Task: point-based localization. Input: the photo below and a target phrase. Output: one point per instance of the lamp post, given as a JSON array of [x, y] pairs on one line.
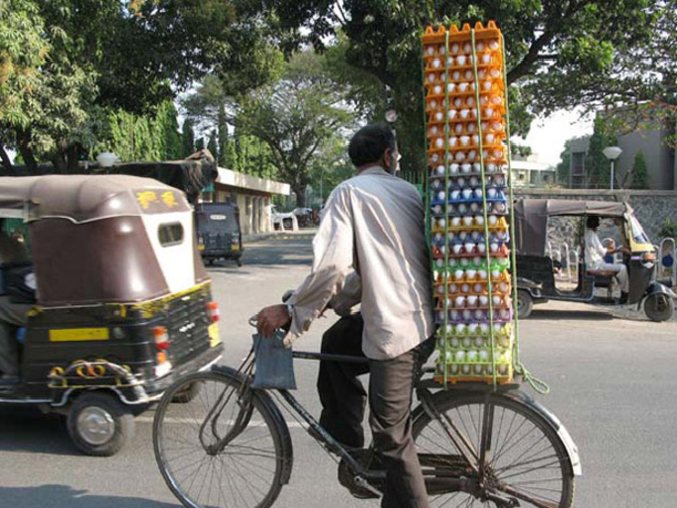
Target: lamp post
[[612, 153]]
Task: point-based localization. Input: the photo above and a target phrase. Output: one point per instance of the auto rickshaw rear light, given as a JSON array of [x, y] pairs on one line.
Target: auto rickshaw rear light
[[161, 357], [213, 311], [161, 338]]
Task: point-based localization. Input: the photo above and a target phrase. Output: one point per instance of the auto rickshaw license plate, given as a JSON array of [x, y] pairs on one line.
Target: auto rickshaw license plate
[[200, 247], [214, 337], [235, 247]]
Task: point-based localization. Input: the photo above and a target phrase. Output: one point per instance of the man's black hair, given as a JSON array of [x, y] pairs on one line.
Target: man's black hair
[[592, 222], [369, 143]]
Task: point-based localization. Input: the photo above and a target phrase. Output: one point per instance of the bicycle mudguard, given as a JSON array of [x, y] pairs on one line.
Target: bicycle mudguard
[[550, 418], [278, 419]]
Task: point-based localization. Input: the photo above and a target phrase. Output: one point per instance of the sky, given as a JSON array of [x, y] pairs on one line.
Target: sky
[[546, 137]]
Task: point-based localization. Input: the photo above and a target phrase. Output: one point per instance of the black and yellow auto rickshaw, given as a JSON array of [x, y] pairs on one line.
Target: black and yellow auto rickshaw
[[536, 269], [124, 305], [218, 231]]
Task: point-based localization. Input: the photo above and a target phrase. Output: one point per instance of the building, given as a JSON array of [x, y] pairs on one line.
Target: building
[[529, 172], [659, 150], [253, 195]]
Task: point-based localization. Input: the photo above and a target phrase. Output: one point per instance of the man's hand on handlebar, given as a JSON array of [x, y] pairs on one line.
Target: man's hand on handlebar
[[272, 318]]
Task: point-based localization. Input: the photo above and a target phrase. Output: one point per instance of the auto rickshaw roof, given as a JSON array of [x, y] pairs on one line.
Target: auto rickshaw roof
[[531, 218], [84, 198]]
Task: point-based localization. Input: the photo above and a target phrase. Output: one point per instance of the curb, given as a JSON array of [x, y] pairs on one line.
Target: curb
[[280, 235]]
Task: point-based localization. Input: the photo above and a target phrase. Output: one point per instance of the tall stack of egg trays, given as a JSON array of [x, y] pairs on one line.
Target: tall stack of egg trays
[[469, 202]]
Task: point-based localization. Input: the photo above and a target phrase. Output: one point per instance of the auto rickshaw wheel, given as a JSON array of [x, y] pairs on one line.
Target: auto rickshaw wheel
[[658, 307], [99, 424], [187, 394], [525, 303]]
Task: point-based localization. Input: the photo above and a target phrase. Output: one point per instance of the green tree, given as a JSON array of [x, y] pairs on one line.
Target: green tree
[[640, 175], [563, 168], [597, 166], [553, 47], [200, 144], [187, 138], [86, 68], [296, 118], [213, 144]]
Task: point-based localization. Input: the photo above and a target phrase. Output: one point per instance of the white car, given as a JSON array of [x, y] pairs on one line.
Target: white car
[[283, 221]]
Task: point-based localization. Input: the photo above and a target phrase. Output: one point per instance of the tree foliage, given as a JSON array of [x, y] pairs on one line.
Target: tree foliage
[[296, 118], [597, 166], [563, 168], [89, 59], [640, 174], [559, 52]]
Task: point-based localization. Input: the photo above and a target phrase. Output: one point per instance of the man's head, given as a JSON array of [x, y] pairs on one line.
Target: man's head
[[372, 145], [592, 222]]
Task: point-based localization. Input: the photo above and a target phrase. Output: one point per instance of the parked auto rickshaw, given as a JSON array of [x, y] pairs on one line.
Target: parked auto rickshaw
[[218, 231], [124, 304], [536, 270]]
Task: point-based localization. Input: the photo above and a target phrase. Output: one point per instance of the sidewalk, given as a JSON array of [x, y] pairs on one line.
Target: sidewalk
[[306, 233]]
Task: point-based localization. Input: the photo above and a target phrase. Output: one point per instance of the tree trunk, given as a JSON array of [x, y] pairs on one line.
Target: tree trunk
[[6, 163], [72, 162], [300, 191], [23, 144]]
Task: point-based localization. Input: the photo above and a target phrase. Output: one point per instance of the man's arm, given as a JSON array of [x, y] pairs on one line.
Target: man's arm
[[333, 253]]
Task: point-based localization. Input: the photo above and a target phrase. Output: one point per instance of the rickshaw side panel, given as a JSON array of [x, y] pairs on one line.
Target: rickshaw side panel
[[539, 270], [100, 261]]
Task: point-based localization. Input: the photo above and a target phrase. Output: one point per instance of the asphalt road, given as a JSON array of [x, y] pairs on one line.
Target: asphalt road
[[612, 379]]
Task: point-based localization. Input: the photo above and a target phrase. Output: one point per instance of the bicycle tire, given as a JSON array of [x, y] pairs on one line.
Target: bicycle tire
[[250, 478], [466, 411]]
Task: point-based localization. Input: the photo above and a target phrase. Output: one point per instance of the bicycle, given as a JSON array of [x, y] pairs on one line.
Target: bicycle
[[230, 446]]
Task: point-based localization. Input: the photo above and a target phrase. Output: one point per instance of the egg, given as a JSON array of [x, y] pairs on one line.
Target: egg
[[469, 75], [471, 356], [469, 247], [465, 140], [478, 193], [471, 301], [478, 369], [481, 248], [466, 342], [463, 87], [465, 369], [439, 116], [492, 220], [489, 112], [491, 192], [434, 158], [436, 184], [451, 87], [479, 220], [486, 85], [460, 156], [437, 89], [466, 168], [432, 77], [493, 45], [490, 138], [436, 63], [486, 58], [452, 114], [467, 314], [458, 128], [467, 48], [479, 341], [471, 274], [454, 48], [458, 102], [467, 193], [460, 327], [465, 288], [472, 328], [457, 248], [472, 155], [460, 60], [464, 262], [439, 143], [477, 167], [456, 75], [458, 274], [441, 196], [480, 47], [430, 50], [470, 102]]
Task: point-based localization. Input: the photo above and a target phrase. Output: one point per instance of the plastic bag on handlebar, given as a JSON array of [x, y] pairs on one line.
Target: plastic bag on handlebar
[[274, 363]]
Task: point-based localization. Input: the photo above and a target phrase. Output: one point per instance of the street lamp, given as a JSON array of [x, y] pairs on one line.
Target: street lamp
[[612, 153]]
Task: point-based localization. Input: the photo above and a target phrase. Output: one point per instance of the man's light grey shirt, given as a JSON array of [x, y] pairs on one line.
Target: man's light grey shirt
[[373, 222]]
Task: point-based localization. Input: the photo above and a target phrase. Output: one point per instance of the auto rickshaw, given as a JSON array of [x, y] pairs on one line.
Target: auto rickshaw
[[536, 270], [124, 304], [218, 231]]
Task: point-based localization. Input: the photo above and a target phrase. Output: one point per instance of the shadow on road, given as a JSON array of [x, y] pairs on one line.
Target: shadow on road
[[27, 430], [571, 315], [276, 252], [64, 496]]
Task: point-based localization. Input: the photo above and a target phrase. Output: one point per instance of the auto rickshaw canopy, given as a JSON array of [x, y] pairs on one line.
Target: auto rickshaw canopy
[[105, 238], [531, 219], [84, 198]]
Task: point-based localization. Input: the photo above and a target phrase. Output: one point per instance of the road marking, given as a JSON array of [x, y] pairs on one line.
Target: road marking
[[149, 419]]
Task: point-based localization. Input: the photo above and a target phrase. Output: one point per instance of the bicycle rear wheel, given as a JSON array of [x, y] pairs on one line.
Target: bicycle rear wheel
[[248, 472], [525, 458]]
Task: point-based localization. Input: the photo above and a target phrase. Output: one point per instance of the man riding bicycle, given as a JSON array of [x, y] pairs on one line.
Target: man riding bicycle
[[373, 223]]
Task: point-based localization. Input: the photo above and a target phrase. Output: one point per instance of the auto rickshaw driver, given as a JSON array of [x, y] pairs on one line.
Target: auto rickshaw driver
[[595, 254], [14, 266]]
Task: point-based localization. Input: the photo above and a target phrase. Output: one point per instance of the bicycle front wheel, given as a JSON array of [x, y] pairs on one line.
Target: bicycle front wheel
[[524, 458], [246, 471]]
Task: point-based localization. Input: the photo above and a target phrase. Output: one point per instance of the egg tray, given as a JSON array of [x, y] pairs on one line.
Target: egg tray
[[437, 253], [493, 208], [439, 289], [477, 263], [500, 197], [469, 239], [498, 228], [453, 379], [475, 318]]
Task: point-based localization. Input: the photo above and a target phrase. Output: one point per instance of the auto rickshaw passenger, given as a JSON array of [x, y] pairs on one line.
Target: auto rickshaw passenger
[[595, 253], [13, 306]]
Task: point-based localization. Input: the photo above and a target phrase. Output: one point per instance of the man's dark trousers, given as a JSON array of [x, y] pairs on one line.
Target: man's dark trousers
[[390, 393]]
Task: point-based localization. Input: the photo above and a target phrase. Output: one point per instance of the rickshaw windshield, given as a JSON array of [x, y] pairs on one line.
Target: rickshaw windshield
[[636, 230]]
